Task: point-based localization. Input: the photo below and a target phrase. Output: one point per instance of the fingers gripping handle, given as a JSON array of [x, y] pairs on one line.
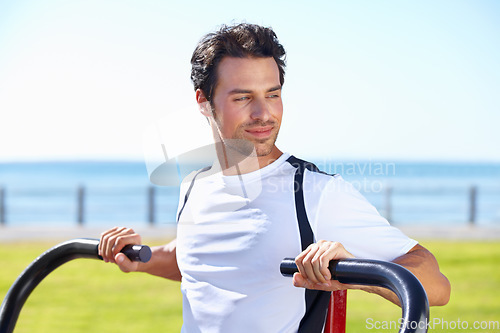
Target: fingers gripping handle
[[141, 253], [288, 267]]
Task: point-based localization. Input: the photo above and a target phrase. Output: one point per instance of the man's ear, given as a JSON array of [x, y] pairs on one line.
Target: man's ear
[[203, 103]]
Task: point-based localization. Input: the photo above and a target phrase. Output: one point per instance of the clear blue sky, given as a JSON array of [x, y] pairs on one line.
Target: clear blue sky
[[391, 80]]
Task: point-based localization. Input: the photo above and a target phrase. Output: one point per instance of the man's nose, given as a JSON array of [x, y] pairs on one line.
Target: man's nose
[[260, 110]]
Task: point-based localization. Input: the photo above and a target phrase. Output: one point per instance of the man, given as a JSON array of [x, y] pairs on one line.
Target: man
[[239, 218]]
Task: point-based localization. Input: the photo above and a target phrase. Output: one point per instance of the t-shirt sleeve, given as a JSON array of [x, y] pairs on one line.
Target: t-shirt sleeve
[[340, 213]]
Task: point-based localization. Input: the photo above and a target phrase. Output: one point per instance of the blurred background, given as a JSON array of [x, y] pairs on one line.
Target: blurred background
[[401, 98]]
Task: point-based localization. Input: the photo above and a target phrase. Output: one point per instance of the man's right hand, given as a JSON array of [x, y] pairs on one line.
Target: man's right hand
[[112, 242]]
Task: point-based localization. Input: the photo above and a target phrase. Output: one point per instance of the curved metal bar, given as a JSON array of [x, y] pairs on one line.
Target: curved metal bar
[[411, 293], [44, 265]]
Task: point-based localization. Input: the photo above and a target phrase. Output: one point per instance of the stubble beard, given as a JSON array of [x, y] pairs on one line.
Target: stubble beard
[[242, 144], [240, 141], [263, 147]]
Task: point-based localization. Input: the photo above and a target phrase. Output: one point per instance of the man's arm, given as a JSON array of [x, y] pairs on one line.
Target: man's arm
[[314, 273], [422, 263], [163, 260]]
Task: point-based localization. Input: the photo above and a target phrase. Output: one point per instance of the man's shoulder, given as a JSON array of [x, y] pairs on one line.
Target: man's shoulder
[[309, 167]]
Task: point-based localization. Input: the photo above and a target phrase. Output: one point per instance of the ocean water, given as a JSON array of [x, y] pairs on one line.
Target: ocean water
[[118, 193]]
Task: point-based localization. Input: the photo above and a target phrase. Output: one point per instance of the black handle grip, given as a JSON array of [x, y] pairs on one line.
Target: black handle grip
[[46, 263], [141, 253], [288, 267], [384, 274]]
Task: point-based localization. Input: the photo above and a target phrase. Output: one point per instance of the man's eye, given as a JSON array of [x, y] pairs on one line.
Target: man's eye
[[244, 98], [273, 96]]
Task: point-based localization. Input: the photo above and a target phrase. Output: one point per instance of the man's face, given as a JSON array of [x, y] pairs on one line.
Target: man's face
[[247, 101]]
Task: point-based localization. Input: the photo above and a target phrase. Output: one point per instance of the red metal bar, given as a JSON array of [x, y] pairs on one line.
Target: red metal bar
[[336, 315]]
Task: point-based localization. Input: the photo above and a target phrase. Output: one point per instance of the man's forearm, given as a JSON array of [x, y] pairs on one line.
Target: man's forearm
[[163, 262], [425, 267]]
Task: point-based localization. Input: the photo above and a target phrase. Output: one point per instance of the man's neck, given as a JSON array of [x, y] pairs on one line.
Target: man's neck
[[234, 163], [268, 159]]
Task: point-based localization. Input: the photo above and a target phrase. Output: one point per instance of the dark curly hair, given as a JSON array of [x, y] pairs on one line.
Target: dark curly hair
[[239, 41]]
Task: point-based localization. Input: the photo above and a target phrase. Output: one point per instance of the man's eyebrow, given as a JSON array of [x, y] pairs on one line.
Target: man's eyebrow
[[240, 91], [275, 88], [246, 91]]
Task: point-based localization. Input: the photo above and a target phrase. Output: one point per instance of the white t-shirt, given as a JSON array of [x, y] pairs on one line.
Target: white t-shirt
[[235, 230]]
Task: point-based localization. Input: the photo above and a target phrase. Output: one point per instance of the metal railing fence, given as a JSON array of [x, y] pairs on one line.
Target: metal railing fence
[[159, 204]]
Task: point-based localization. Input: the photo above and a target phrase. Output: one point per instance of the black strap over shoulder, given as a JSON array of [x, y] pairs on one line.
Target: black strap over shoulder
[[188, 192], [306, 234], [316, 300]]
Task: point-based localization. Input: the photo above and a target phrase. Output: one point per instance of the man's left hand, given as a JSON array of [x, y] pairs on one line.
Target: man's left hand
[[313, 266]]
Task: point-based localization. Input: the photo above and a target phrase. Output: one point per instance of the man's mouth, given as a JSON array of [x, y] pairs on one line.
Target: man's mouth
[[260, 132]]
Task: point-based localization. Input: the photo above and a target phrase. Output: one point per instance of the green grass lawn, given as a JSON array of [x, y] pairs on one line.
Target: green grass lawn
[[90, 296]]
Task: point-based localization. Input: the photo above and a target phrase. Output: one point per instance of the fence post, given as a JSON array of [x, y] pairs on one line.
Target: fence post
[[80, 205], [388, 203], [472, 204], [2, 206], [151, 205]]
